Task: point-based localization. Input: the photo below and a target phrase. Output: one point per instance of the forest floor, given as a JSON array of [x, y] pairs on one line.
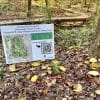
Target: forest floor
[[40, 15], [73, 75], [77, 79]]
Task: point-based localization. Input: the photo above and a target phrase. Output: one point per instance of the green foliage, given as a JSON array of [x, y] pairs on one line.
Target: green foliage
[[55, 68], [75, 37], [93, 21], [1, 71], [4, 7]]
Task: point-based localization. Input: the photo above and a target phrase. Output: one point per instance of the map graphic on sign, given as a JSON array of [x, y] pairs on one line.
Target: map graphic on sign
[[24, 43]]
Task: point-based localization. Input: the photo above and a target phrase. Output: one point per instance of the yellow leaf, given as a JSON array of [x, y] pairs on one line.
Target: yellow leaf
[[34, 78], [56, 62], [28, 76], [22, 98], [12, 68], [35, 64], [43, 74], [94, 65], [77, 88], [44, 67], [93, 60], [93, 73], [86, 62], [62, 68], [49, 71], [98, 65], [64, 98], [97, 91]]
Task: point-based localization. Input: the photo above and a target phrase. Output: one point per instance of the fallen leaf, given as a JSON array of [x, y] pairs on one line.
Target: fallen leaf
[[56, 62], [77, 88], [97, 91], [45, 92], [49, 71], [97, 65], [35, 64], [47, 81], [53, 82], [62, 68], [94, 65], [12, 68], [86, 62], [43, 67], [93, 60], [93, 73], [43, 74], [22, 98], [34, 78], [28, 76], [64, 98]]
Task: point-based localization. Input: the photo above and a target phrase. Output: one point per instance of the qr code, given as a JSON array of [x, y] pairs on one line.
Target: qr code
[[46, 48]]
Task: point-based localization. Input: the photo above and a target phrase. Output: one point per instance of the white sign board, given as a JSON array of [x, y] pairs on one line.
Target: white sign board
[[24, 43]]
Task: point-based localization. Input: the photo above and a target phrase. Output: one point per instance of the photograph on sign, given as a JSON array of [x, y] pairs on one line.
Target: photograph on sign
[[24, 43]]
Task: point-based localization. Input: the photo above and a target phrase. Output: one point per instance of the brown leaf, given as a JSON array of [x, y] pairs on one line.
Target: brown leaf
[[77, 88], [53, 82], [45, 92]]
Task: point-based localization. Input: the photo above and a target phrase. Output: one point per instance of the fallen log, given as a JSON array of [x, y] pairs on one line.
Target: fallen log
[[42, 19]]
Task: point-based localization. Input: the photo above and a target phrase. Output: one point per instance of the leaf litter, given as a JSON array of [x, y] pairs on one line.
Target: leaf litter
[[68, 77]]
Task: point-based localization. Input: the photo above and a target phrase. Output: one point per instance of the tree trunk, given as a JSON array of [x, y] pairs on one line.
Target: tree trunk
[[95, 48], [29, 8], [89, 5], [48, 11], [85, 2]]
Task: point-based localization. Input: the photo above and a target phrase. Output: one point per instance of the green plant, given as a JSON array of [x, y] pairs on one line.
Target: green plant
[[75, 37], [55, 69], [1, 72]]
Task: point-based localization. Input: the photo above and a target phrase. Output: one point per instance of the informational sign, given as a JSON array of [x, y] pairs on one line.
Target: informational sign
[[24, 43]]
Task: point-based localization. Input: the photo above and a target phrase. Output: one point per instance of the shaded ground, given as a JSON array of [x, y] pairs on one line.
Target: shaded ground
[[39, 14], [15, 85]]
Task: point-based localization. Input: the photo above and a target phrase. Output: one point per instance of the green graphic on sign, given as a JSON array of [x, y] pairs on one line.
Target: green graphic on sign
[[41, 36]]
